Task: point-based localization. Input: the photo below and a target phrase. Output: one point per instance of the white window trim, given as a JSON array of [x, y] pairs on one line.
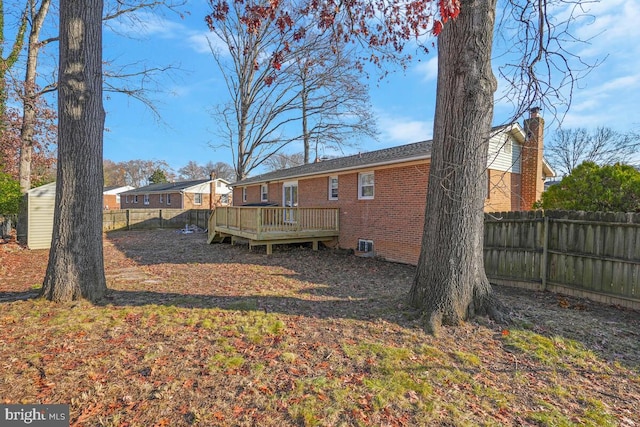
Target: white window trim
[[361, 176], [168, 199], [244, 194], [331, 197], [145, 199], [195, 198], [161, 201], [126, 198], [264, 192], [135, 198]]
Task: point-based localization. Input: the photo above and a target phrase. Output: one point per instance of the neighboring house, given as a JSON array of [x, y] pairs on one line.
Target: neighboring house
[[111, 196], [381, 194], [198, 194]]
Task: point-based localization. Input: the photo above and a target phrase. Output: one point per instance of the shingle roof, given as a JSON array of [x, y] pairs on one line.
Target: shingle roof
[[166, 187], [414, 151]]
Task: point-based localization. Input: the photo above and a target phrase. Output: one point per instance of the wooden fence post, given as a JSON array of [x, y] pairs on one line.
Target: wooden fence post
[[545, 253], [128, 222]]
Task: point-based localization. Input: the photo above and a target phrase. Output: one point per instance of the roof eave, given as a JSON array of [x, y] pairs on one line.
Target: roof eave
[[335, 170]]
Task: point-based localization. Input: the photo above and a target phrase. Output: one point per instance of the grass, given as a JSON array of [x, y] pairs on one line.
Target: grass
[[292, 339]]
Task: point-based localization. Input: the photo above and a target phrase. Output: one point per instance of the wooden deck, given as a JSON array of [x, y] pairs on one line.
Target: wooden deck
[[274, 225]]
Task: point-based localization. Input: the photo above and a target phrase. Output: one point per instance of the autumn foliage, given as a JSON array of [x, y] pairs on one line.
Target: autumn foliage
[[44, 155], [384, 26]]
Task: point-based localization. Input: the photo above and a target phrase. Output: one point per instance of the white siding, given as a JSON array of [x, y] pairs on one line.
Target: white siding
[[41, 204], [504, 153], [200, 188]]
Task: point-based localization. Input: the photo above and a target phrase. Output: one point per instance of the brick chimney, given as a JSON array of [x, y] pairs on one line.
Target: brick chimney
[[532, 184], [212, 196]]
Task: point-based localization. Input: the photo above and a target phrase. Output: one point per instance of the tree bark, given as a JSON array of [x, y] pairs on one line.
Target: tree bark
[[76, 265], [450, 284]]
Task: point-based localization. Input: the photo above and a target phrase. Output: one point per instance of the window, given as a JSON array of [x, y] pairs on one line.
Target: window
[[244, 194], [168, 199], [197, 199], [224, 199], [161, 199], [146, 199], [126, 198], [365, 185], [264, 192], [135, 199], [365, 245], [333, 188]]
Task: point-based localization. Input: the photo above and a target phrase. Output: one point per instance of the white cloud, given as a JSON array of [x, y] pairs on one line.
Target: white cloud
[[428, 69], [144, 25], [200, 42], [403, 130]]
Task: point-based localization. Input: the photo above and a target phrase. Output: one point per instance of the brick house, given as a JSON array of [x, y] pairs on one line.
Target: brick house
[[381, 194], [198, 194], [111, 196]]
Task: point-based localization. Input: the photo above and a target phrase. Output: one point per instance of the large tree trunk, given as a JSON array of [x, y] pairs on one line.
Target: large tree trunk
[[450, 283], [76, 266]]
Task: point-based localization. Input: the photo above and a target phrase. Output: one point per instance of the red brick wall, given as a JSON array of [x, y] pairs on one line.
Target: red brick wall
[[504, 192], [394, 218], [109, 202], [154, 202], [531, 166]]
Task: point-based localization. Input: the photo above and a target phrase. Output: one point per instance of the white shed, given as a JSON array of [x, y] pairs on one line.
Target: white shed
[[41, 203]]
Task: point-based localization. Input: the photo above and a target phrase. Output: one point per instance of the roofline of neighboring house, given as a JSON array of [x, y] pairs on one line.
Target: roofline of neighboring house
[[513, 129], [176, 189], [547, 166]]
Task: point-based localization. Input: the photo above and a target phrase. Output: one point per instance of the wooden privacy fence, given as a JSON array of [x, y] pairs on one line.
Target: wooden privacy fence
[[130, 219], [595, 255]]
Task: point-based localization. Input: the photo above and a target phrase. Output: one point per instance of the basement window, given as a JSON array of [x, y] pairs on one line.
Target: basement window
[[365, 246]]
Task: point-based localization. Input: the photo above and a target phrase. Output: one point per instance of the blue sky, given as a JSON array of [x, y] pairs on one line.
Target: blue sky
[[404, 102]]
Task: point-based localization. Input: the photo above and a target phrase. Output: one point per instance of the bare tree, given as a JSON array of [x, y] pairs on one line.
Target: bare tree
[[76, 266], [192, 171], [135, 172], [134, 80], [221, 170], [114, 173], [7, 62], [262, 103], [603, 146], [335, 105], [31, 94], [283, 161]]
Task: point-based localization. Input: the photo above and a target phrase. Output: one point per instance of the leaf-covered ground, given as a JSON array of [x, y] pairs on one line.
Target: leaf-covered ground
[[208, 335]]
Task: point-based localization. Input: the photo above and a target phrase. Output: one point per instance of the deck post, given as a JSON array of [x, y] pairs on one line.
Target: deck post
[[259, 223], [315, 245]]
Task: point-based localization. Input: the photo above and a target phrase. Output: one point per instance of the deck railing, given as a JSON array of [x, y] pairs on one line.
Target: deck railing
[[272, 220]]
